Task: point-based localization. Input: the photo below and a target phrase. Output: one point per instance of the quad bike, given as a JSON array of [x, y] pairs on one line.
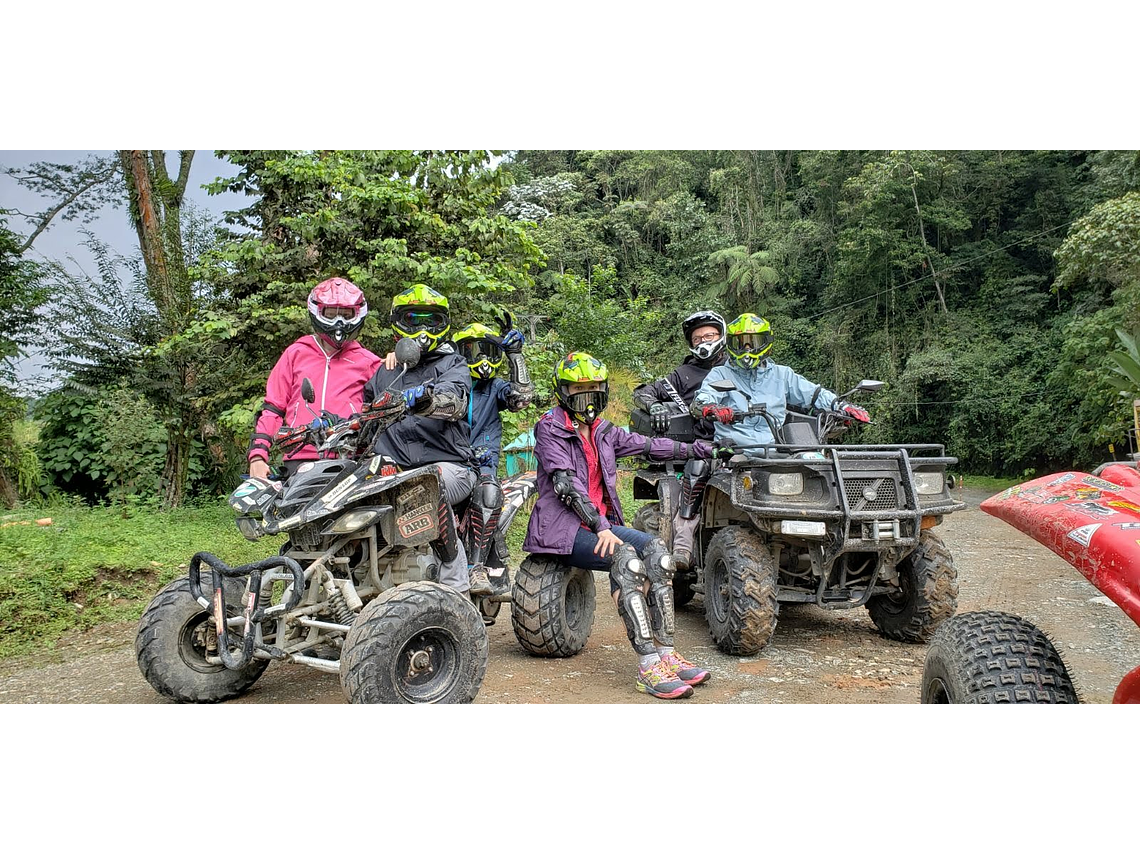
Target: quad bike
[[802, 520], [1092, 521], [353, 591]]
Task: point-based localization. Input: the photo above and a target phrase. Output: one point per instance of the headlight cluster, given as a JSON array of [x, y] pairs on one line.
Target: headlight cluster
[[928, 483], [786, 484]]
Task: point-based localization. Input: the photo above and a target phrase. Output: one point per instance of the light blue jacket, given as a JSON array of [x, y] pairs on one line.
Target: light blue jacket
[[771, 384]]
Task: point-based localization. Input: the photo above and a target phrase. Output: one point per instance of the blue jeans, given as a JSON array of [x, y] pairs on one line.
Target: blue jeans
[[584, 542]]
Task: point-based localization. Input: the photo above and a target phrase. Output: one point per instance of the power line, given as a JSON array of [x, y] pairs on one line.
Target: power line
[[944, 270]]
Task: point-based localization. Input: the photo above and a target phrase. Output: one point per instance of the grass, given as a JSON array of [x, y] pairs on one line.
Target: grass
[[95, 565], [990, 483]]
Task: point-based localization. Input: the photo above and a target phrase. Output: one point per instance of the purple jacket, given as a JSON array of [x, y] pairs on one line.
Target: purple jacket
[[553, 526]]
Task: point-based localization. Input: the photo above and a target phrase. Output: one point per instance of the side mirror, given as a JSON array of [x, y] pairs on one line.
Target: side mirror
[[307, 391], [408, 352], [870, 385], [723, 386]]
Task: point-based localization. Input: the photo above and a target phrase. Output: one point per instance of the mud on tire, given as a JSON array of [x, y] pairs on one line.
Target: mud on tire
[[417, 643], [171, 653], [552, 607], [928, 595], [740, 591], [994, 658]]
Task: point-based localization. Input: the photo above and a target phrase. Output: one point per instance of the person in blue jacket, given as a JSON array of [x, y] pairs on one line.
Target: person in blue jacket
[[483, 350], [758, 380]]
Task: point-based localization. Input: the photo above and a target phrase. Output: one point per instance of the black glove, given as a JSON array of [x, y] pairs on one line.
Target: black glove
[[659, 414], [725, 453]]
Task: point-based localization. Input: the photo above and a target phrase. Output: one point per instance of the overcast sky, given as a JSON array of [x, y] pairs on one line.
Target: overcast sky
[[63, 240]]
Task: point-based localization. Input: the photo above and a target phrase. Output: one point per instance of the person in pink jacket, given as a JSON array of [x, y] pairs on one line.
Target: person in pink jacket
[[335, 363]]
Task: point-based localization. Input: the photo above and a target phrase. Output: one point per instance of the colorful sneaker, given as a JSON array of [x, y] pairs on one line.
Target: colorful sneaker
[[660, 682], [684, 670], [480, 584]]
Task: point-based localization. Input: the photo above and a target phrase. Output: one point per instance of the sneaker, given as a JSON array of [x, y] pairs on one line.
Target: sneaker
[[480, 584], [682, 559], [660, 682], [684, 670]]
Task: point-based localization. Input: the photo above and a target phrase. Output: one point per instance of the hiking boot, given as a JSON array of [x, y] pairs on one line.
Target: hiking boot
[[682, 559], [684, 670], [660, 682], [480, 584]]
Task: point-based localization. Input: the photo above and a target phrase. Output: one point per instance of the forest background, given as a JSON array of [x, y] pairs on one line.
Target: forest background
[[996, 293]]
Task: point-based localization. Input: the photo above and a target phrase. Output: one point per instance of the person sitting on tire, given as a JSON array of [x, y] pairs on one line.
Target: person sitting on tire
[[483, 352], [578, 516], [333, 361], [758, 380], [435, 391], [704, 334]]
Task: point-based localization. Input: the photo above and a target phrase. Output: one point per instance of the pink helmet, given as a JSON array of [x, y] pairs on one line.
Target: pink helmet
[[337, 309]]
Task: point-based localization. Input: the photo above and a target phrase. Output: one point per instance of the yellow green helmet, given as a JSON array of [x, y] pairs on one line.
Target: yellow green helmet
[[580, 367], [476, 343], [749, 340], [421, 313]]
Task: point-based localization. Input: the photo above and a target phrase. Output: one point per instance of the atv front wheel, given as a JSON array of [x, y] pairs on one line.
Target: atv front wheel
[[927, 595], [171, 647], [741, 583], [417, 643], [552, 606], [994, 658]]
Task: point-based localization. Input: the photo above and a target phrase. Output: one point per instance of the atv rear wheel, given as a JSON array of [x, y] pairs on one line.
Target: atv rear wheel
[[552, 606], [648, 520], [994, 658], [170, 647], [740, 591], [417, 643], [927, 595]]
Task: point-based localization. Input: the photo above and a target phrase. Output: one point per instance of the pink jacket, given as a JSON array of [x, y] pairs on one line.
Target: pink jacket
[[338, 382]]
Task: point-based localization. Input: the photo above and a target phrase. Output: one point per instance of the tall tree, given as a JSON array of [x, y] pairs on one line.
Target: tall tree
[[156, 211]]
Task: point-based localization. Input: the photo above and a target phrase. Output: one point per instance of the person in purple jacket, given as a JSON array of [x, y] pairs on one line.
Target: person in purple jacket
[[578, 517]]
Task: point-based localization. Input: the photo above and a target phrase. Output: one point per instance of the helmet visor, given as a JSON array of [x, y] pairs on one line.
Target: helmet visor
[[413, 319], [753, 342], [477, 349], [331, 313]]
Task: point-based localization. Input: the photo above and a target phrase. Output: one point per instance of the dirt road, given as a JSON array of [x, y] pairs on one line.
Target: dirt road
[[815, 657]]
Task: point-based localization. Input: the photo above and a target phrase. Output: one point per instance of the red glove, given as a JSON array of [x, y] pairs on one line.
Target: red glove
[[721, 414], [857, 413]]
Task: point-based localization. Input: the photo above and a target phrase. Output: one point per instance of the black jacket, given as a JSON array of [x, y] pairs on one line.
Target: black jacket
[[686, 379], [416, 440]]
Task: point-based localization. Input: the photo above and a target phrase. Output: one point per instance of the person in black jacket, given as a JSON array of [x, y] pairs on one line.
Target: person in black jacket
[[436, 393], [704, 333]]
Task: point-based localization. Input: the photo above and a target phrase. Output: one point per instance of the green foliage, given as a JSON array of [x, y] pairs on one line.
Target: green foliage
[[110, 445], [94, 565]]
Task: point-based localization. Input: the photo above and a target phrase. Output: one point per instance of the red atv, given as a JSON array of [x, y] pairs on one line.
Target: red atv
[[1093, 522]]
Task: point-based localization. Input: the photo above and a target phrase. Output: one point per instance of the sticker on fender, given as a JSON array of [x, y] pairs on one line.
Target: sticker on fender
[[1084, 534]]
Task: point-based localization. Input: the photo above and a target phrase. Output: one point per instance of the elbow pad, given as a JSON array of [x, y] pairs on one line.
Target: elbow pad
[[568, 494], [447, 406]]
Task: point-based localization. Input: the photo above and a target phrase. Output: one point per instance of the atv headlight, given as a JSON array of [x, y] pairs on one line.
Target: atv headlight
[[786, 484], [250, 528], [354, 520], [928, 483]]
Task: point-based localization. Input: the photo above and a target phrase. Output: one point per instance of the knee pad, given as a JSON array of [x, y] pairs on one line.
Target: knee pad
[[483, 512], [660, 570], [628, 571], [697, 473]]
